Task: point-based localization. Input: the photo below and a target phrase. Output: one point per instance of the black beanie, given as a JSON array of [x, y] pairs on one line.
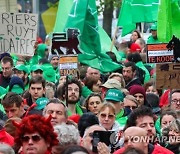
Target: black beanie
[[16, 81], [86, 120]]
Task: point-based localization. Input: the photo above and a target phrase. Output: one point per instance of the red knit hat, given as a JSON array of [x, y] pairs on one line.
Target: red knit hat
[[135, 47], [137, 89]]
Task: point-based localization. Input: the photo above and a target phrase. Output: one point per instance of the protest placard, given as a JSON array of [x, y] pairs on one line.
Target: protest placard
[[158, 53], [8, 6], [68, 65], [168, 76], [18, 32]]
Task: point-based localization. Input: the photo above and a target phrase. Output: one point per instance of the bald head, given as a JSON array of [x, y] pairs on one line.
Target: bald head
[[136, 137], [91, 72], [135, 131]]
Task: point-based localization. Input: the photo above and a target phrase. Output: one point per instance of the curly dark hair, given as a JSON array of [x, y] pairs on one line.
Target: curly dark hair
[[71, 81], [36, 123]]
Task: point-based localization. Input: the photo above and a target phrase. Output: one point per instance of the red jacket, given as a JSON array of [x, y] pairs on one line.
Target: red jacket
[[157, 150], [6, 137]]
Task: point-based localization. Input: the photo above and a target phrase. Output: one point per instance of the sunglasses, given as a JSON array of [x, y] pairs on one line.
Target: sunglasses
[[110, 116], [34, 138]]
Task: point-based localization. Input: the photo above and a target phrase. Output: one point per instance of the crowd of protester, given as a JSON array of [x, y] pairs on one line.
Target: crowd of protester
[[43, 112]]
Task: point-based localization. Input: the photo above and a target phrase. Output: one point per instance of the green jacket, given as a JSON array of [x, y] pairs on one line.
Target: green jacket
[[121, 119], [151, 40]]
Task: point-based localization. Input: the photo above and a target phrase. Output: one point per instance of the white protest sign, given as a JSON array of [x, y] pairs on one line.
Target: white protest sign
[[18, 32]]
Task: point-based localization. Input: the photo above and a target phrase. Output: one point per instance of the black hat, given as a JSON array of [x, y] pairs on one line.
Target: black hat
[[87, 119]]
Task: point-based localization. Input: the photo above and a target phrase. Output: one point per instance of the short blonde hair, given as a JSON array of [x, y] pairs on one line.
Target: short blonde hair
[[118, 75], [107, 105]]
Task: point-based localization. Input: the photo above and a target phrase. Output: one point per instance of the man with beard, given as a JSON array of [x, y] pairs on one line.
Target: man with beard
[[129, 74], [143, 117], [22, 72], [71, 91]]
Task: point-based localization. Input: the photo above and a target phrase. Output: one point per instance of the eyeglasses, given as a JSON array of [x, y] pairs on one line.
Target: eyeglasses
[[34, 138], [131, 107], [110, 116], [175, 101]]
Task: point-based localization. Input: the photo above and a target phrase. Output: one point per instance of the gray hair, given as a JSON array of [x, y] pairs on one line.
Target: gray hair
[[56, 101], [6, 149], [131, 98], [175, 125], [67, 134]]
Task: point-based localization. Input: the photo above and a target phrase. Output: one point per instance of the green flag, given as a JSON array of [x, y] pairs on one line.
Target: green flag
[[64, 8], [168, 20], [135, 11], [83, 16], [106, 43]]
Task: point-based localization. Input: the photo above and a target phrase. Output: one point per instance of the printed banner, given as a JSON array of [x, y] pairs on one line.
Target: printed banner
[[158, 53]]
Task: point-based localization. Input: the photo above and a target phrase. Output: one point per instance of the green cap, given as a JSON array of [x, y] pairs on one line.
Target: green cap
[[3, 92], [114, 95], [21, 67], [41, 103], [17, 89], [153, 26], [36, 67]]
